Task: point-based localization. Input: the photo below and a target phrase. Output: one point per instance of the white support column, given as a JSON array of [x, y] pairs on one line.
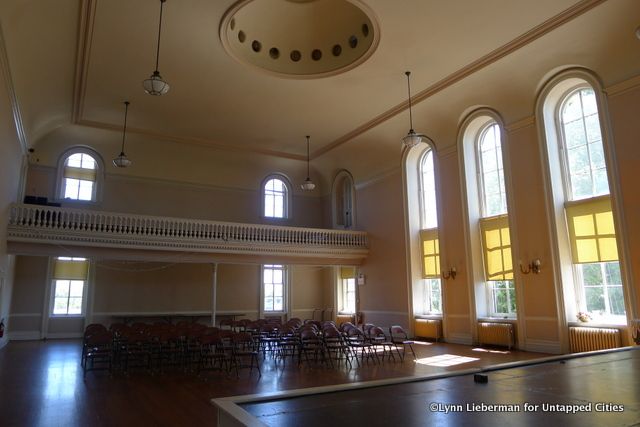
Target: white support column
[[214, 286]]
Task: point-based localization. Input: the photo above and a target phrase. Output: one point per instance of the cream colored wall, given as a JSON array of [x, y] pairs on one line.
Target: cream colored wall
[[181, 199], [538, 309], [623, 110], [28, 299], [308, 288], [239, 289], [457, 315], [10, 172], [384, 297], [151, 287]]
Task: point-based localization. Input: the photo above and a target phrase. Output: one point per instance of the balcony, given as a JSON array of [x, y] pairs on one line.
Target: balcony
[[45, 230]]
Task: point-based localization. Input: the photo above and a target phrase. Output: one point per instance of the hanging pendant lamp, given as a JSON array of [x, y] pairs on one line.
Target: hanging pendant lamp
[[412, 138], [154, 85], [122, 161], [307, 185]]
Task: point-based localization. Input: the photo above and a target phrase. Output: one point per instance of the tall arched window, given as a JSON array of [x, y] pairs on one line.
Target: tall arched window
[[494, 223], [588, 207], [79, 175], [430, 242], [579, 183], [276, 196]]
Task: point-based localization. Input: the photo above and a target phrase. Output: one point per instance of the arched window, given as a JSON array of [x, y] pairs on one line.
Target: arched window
[[80, 173], [494, 223], [276, 197], [343, 204], [419, 174], [430, 242], [487, 223], [583, 204]]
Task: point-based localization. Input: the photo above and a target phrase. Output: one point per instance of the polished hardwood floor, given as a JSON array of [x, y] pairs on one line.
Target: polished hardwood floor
[[42, 384]]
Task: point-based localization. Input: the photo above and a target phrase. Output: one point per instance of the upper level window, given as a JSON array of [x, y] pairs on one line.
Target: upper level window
[[276, 198], [582, 146], [343, 205], [79, 175], [493, 194], [494, 223]]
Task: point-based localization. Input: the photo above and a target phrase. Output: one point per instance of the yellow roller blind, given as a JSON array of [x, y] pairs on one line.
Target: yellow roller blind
[[591, 230], [70, 269], [347, 272], [496, 242], [430, 253], [80, 173]]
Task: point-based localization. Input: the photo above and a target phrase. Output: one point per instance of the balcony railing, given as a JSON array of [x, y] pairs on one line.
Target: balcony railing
[[46, 224]]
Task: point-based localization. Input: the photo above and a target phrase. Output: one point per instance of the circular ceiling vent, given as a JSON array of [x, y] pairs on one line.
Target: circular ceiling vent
[[300, 38]]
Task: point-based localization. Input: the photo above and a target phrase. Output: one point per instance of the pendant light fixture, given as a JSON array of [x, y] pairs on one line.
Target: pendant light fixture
[[154, 85], [412, 138], [307, 185], [122, 161]]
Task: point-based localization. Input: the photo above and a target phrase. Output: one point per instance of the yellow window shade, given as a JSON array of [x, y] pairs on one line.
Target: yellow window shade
[[70, 270], [430, 246], [591, 230], [80, 173], [496, 244], [347, 272]]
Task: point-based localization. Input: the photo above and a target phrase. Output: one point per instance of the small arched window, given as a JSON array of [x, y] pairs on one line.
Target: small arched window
[[276, 195], [79, 175], [343, 195]]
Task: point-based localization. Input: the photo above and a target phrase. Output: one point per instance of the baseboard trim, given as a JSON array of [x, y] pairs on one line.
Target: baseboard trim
[[63, 335], [543, 346], [24, 335], [464, 339]]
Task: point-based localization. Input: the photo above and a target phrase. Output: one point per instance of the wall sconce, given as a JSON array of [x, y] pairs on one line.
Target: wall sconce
[[446, 275], [533, 267]]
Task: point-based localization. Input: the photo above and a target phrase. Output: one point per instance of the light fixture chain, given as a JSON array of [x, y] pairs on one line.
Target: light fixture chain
[[159, 34], [308, 156], [124, 128], [408, 73]]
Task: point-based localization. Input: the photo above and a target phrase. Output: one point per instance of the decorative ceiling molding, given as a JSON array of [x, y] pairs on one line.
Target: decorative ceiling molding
[[623, 87], [499, 53], [15, 107], [190, 140], [85, 33], [83, 53]]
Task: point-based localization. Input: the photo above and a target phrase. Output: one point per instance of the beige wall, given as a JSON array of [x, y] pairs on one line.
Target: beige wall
[[384, 297], [181, 199], [623, 110], [10, 172], [239, 289], [308, 290]]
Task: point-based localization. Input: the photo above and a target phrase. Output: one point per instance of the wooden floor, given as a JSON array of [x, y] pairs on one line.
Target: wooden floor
[[41, 384], [596, 390]]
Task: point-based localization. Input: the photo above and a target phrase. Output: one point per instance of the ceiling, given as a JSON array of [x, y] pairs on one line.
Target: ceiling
[[75, 62]]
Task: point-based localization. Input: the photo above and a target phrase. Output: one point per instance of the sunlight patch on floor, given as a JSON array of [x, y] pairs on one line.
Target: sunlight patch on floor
[[484, 350], [445, 360]]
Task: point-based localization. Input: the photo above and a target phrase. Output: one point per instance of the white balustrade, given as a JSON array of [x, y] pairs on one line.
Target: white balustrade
[[31, 222]]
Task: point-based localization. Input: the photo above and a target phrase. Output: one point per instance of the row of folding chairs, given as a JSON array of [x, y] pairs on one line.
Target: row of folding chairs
[[153, 348]]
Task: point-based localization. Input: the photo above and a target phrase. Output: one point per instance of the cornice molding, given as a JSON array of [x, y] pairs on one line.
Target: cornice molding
[[623, 87], [520, 124], [377, 178], [15, 106], [499, 53]]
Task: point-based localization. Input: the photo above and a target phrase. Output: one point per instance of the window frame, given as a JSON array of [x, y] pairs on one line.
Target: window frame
[[489, 286], [422, 190], [85, 289], [577, 278], [287, 198], [285, 289], [98, 184]]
